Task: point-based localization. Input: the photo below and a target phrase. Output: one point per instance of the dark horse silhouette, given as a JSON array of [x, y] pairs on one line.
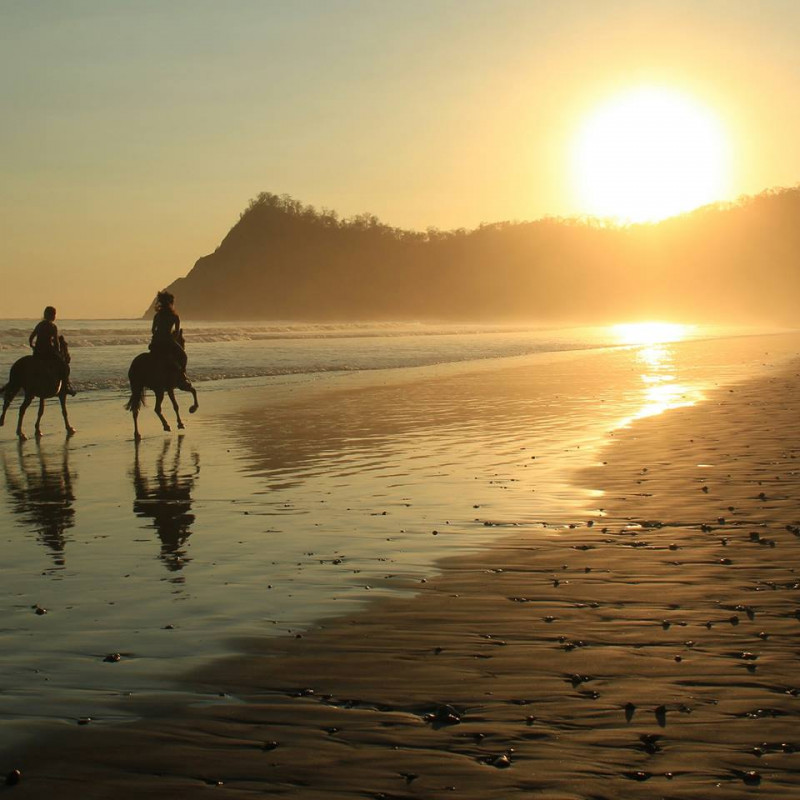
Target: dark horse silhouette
[[37, 377], [160, 373]]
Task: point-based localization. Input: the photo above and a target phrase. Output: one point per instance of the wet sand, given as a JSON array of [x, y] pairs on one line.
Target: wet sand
[[643, 646]]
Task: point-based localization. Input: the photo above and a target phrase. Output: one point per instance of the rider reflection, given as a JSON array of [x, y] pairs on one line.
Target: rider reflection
[[165, 497], [40, 484]]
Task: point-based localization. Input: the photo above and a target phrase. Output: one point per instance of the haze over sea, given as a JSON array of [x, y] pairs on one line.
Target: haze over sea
[[219, 351], [362, 436]]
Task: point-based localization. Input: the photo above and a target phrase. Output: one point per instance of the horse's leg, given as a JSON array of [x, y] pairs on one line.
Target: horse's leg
[[171, 393], [137, 437], [159, 400], [38, 427], [190, 388], [7, 398], [27, 400], [63, 400]]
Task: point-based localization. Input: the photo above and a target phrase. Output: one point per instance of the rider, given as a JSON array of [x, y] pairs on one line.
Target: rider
[[167, 333], [48, 345]]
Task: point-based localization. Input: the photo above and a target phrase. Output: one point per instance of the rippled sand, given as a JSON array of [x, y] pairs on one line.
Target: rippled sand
[[456, 547]]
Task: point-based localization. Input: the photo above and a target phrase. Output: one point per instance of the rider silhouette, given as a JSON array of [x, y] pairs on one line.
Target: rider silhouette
[[48, 345], [167, 333]]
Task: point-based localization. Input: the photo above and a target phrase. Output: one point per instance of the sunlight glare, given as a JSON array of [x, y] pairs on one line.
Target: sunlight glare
[[650, 333], [648, 154], [661, 390]]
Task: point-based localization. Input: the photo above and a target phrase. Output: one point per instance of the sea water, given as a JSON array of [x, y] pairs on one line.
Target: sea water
[[259, 522], [102, 350]]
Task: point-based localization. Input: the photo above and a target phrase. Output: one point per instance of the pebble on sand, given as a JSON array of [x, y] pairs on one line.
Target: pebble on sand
[[13, 777], [444, 715]]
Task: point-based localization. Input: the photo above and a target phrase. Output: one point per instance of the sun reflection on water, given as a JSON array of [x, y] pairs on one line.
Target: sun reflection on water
[[655, 358]]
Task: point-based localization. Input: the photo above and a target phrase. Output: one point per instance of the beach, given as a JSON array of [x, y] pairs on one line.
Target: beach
[[567, 575]]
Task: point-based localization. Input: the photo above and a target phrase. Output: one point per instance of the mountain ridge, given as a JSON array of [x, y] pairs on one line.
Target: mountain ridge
[[286, 260]]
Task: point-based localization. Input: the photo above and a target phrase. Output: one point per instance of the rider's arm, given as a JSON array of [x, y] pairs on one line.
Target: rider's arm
[[34, 334]]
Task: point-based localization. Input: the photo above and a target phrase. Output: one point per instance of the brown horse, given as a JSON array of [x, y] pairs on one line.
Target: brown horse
[[37, 377], [160, 373]]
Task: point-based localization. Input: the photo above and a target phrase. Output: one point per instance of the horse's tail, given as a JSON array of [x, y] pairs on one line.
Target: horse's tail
[[15, 378], [136, 400], [9, 391], [137, 380]]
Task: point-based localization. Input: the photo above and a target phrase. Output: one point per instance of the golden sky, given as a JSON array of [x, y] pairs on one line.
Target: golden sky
[[135, 132]]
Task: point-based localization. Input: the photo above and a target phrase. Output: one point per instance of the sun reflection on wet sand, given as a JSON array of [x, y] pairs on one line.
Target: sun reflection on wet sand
[[655, 358], [661, 392]]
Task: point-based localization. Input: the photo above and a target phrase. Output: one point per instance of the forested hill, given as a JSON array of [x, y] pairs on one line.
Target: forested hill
[[285, 260]]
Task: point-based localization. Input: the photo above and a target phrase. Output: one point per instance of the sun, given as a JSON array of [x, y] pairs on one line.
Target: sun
[[650, 153]]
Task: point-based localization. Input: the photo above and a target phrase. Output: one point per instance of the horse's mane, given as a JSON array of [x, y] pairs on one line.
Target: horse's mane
[[63, 349]]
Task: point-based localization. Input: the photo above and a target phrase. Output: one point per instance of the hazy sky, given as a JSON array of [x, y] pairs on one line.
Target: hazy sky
[[134, 133]]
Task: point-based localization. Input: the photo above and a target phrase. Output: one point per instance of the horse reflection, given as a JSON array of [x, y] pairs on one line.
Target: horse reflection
[[40, 485], [164, 496]]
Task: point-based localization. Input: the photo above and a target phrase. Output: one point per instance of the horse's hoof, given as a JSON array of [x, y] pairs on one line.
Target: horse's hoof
[[181, 426], [137, 437], [167, 428], [38, 434], [22, 437], [192, 409], [70, 431]]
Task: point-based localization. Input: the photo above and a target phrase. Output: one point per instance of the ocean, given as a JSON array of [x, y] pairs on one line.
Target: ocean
[[103, 349], [327, 464]]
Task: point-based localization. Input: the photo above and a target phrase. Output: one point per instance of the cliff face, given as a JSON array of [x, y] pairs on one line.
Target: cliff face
[[283, 260]]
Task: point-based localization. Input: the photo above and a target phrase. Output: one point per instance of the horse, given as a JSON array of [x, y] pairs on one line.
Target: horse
[[37, 377], [160, 373]]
